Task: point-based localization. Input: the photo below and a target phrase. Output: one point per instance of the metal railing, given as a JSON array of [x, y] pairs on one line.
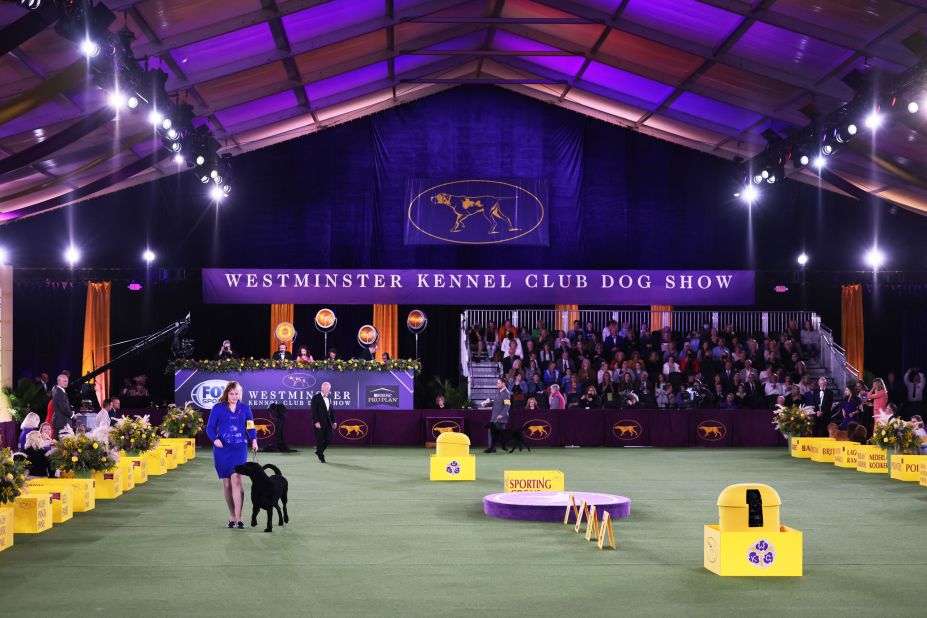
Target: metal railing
[[834, 361]]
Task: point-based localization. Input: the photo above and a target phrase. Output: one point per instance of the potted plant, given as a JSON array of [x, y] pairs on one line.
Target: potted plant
[[133, 435], [793, 421], [82, 455], [185, 423]]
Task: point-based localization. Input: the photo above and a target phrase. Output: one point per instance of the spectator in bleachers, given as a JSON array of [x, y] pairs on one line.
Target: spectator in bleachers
[[535, 385], [576, 332], [665, 397], [670, 366], [562, 342], [914, 382], [773, 389], [729, 403], [810, 340], [590, 399], [551, 374]]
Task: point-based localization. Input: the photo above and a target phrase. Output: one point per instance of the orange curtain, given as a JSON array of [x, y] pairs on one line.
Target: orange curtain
[[572, 314], [386, 320], [851, 318], [279, 313], [96, 336], [656, 317]]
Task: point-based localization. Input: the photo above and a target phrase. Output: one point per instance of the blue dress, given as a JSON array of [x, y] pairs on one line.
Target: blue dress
[[235, 430]]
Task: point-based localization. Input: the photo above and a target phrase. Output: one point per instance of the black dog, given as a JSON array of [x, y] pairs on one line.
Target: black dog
[[267, 492], [502, 437]]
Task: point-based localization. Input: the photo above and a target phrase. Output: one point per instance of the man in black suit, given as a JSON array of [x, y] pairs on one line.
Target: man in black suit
[[60, 404], [282, 354], [323, 420], [822, 398]]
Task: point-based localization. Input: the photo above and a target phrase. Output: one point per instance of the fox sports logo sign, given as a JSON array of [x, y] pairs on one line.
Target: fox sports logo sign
[[206, 394]]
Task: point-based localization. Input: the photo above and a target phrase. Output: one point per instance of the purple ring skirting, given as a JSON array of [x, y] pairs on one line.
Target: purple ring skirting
[[551, 505]]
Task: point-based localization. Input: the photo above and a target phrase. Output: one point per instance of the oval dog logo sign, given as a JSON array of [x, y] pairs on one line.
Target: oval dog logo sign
[[264, 428], [627, 429], [536, 429], [206, 394], [299, 380], [476, 212], [711, 430], [353, 429], [444, 427]]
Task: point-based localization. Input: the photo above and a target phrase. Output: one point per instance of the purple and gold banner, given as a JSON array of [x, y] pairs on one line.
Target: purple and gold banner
[[476, 212], [473, 287]]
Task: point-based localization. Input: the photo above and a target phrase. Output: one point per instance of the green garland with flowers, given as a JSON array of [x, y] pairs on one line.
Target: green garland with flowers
[[133, 435], [794, 421], [181, 423], [12, 476], [228, 365], [896, 435], [82, 454]]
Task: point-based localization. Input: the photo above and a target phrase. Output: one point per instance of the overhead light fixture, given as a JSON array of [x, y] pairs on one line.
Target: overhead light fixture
[[155, 117], [827, 150], [226, 188], [204, 179], [178, 159], [757, 179], [913, 107], [214, 174], [175, 146], [71, 255], [819, 162], [116, 100], [216, 193], [846, 132], [132, 102], [802, 259], [166, 124], [148, 256], [200, 159], [4, 256], [874, 258], [873, 120], [172, 134], [749, 194], [803, 160], [90, 48]]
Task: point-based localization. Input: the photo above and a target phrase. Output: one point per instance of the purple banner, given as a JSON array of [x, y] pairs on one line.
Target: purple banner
[[476, 212], [351, 390], [474, 287]]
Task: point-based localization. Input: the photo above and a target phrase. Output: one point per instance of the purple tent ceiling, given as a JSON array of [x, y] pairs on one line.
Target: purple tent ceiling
[[708, 74]]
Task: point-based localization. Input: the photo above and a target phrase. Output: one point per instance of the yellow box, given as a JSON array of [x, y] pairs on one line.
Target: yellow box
[[907, 467], [33, 513], [532, 480], [761, 553], [170, 455], [734, 511], [822, 450], [801, 447], [923, 482], [139, 467], [189, 448], [453, 468], [62, 502], [452, 444], [6, 527], [109, 484], [179, 447], [845, 454], [127, 475], [871, 459], [83, 491], [157, 461]]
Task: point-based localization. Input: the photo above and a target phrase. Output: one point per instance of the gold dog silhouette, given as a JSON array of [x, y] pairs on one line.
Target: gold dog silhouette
[[709, 430], [263, 428], [445, 429], [358, 430], [465, 206], [627, 430], [535, 430]]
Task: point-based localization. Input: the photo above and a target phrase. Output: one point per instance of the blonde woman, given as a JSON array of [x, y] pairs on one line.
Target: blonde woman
[[230, 428], [878, 397]]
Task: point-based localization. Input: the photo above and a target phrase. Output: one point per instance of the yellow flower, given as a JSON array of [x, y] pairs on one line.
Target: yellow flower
[[74, 458], [104, 459], [95, 445]]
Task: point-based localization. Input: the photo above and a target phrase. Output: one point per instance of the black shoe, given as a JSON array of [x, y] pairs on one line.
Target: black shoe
[[322, 459], [231, 524], [240, 525], [490, 450]]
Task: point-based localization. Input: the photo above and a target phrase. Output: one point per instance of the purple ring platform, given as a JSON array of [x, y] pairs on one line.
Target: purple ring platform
[[551, 505]]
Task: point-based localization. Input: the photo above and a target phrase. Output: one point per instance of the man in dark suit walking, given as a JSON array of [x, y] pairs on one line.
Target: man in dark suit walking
[[500, 410], [822, 398], [323, 420], [61, 407]]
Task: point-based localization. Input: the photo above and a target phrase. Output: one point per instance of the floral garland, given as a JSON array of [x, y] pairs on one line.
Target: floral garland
[[258, 364], [895, 434], [82, 454], [12, 476], [794, 421], [133, 435], [186, 423]]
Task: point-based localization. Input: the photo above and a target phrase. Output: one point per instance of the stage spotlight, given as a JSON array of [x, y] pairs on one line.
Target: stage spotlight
[[216, 193], [148, 256], [913, 107], [873, 120], [4, 256], [803, 259], [172, 134], [116, 100], [819, 162], [132, 102], [166, 124], [846, 132], [32, 5], [89, 48], [200, 159], [226, 189], [749, 194], [757, 179], [71, 255], [214, 174], [827, 150], [803, 160], [175, 146], [764, 174], [874, 258], [178, 159], [155, 117], [204, 179]]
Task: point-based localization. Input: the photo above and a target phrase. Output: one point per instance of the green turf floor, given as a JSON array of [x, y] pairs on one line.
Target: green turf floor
[[371, 536]]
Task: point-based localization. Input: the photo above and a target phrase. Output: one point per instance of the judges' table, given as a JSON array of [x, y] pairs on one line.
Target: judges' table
[[659, 428]]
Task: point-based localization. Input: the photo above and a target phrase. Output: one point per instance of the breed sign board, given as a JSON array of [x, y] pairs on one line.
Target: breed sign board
[[533, 480]]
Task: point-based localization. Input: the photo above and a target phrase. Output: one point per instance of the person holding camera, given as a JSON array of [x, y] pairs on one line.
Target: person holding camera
[[914, 382], [226, 351]]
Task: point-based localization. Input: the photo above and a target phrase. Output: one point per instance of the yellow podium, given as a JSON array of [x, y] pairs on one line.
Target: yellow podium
[[6, 527], [189, 448], [822, 450], [62, 502], [139, 466], [801, 447], [749, 540], [871, 459], [907, 467], [170, 455], [83, 491], [127, 475], [157, 461], [452, 460], [109, 484], [33, 513], [178, 446], [845, 454]]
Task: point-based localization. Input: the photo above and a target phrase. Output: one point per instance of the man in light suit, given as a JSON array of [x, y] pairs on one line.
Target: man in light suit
[[323, 420], [500, 410], [61, 407]]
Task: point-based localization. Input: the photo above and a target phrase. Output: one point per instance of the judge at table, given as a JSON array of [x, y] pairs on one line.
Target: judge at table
[[282, 353]]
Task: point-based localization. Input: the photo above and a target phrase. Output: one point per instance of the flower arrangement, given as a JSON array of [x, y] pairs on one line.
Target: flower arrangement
[[186, 423], [133, 435], [257, 364], [896, 435], [12, 476], [794, 421], [82, 454]]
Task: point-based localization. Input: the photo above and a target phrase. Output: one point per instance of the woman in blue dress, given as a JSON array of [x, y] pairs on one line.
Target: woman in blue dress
[[231, 427]]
